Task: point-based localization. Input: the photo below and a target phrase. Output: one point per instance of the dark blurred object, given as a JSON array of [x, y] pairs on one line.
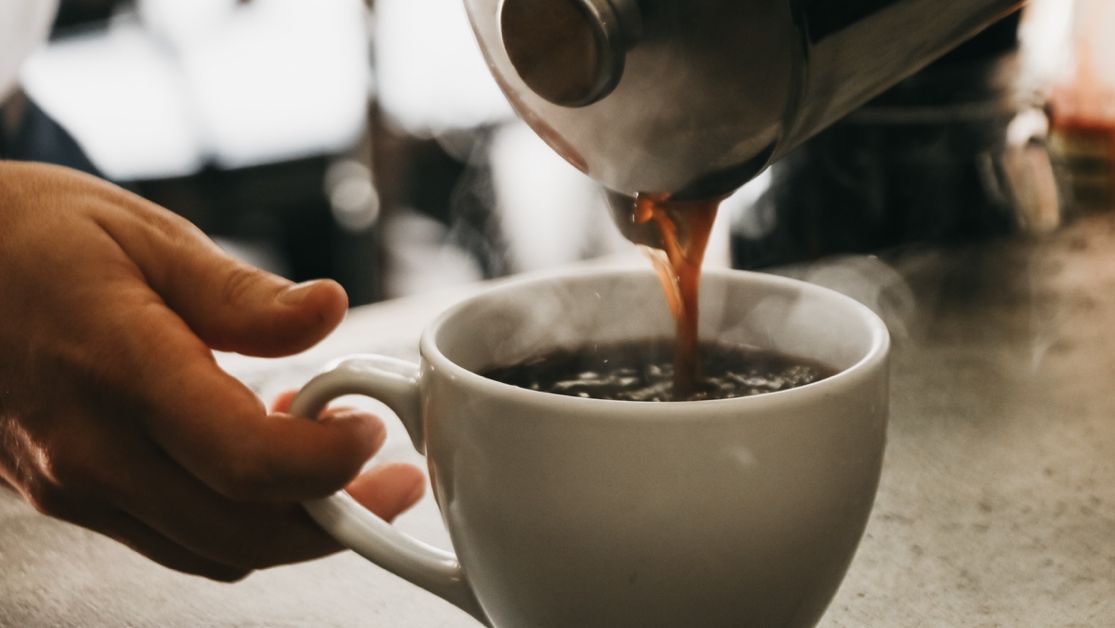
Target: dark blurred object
[[78, 13], [953, 152], [27, 133], [454, 189]]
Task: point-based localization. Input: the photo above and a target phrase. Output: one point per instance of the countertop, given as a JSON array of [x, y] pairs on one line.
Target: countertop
[[996, 505]]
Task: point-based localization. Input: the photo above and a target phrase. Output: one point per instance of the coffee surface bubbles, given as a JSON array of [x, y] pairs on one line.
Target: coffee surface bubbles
[[644, 371]]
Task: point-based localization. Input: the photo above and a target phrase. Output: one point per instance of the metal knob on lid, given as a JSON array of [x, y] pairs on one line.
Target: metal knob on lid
[[570, 52]]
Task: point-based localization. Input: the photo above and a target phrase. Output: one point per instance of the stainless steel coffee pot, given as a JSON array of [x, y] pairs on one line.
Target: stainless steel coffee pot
[[692, 98]]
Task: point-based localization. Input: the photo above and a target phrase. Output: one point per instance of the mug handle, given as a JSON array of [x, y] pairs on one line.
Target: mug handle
[[395, 383]]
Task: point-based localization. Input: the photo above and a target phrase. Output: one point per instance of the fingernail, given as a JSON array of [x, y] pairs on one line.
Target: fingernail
[[294, 295]]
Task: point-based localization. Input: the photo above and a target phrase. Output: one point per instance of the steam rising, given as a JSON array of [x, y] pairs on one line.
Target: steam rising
[[526, 322], [872, 282]]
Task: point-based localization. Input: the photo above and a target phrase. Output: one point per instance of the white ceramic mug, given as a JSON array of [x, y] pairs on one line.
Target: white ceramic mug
[[572, 512]]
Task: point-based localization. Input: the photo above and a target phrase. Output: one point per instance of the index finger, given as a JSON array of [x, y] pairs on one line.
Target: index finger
[[217, 429]]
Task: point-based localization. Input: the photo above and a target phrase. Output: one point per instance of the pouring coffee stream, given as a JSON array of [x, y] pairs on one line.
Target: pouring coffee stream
[[674, 234]]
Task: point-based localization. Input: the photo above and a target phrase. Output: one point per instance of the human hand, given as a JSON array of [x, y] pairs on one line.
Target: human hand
[[115, 416]]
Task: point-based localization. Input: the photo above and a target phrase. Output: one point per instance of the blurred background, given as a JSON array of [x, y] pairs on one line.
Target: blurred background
[[368, 143]]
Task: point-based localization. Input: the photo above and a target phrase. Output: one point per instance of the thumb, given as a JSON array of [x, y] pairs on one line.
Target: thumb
[[235, 307], [230, 305]]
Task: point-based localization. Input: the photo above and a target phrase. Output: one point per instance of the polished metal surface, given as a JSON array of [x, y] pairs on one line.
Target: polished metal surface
[[570, 52], [713, 90]]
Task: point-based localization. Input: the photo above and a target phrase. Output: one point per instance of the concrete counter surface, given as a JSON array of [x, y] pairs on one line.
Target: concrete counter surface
[[996, 505]]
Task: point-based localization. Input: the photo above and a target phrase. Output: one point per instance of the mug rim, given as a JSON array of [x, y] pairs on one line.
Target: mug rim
[[875, 356]]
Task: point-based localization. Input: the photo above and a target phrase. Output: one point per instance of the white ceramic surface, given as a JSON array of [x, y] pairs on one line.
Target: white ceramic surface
[[578, 512]]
